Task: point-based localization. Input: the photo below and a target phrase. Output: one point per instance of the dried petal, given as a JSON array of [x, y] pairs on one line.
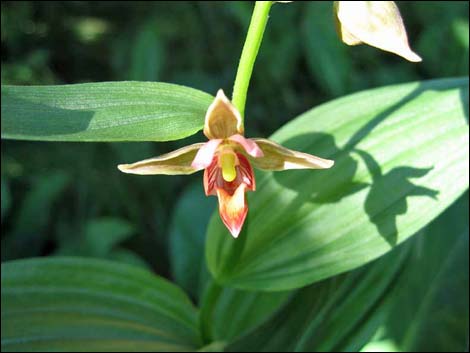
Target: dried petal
[[277, 157], [222, 119], [376, 23], [176, 162]]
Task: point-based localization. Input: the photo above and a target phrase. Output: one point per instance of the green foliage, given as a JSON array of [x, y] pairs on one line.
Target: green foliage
[[75, 304], [109, 111], [401, 157], [399, 162]]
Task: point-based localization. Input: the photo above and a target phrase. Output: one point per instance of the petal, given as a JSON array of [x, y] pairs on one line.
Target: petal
[[222, 119], [248, 145], [205, 155], [233, 209], [245, 173], [212, 178], [377, 23], [176, 162], [277, 157]]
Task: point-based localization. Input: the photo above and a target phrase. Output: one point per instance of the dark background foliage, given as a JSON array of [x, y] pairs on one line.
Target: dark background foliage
[[69, 198]]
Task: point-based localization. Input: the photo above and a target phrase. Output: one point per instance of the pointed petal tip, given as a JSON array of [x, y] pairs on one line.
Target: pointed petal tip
[[235, 232], [412, 56], [329, 163], [123, 167], [221, 94]]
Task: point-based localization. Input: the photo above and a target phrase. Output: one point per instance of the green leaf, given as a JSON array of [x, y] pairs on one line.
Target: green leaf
[[107, 111], [73, 304], [320, 317], [400, 160], [238, 312], [430, 308]]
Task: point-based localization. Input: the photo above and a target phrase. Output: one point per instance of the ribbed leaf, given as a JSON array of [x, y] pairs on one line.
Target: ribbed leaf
[[430, 307], [73, 304], [321, 316], [401, 156], [107, 111]]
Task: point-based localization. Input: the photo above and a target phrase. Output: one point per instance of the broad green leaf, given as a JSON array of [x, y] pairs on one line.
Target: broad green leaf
[[107, 111], [430, 308], [73, 304], [401, 157], [320, 317]]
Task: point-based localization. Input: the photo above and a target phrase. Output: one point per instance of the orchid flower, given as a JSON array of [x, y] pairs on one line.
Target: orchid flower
[[227, 160]]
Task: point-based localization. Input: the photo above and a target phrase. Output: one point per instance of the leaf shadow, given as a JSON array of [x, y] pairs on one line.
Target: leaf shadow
[[60, 121], [338, 182], [395, 187]]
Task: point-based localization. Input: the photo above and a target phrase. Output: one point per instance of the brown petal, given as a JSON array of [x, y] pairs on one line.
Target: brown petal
[[222, 119], [277, 157], [376, 23], [176, 162]]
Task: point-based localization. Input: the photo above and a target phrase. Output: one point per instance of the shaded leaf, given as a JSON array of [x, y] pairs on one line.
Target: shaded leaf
[[73, 304], [430, 308], [321, 316]]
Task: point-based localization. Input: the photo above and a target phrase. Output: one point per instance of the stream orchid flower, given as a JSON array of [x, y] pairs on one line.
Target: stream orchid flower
[[227, 160]]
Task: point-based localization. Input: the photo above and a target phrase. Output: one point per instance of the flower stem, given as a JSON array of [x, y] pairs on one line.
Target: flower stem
[[253, 40]]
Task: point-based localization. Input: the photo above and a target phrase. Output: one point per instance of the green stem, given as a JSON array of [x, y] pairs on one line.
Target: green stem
[[259, 19]]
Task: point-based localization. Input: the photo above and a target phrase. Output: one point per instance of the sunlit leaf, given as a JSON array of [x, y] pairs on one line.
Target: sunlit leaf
[[401, 157], [107, 111]]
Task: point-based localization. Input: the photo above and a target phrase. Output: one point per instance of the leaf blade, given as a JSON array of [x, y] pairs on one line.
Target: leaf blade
[[83, 304], [106, 111]]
